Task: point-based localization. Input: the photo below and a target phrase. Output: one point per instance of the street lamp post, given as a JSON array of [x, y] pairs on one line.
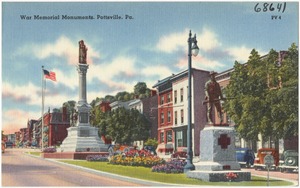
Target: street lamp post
[[192, 50]]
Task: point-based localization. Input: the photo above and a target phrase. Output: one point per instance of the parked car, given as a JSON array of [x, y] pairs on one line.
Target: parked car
[[9, 144], [259, 162], [289, 161], [245, 156], [179, 155], [151, 149], [3, 146]]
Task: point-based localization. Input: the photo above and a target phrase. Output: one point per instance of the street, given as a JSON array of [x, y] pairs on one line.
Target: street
[[274, 174], [19, 169]]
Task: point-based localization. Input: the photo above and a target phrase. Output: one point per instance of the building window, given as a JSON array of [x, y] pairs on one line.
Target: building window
[[169, 116], [181, 95], [182, 116], [187, 91], [169, 97], [162, 117], [175, 96], [162, 100], [162, 139], [179, 139], [175, 117], [169, 136]]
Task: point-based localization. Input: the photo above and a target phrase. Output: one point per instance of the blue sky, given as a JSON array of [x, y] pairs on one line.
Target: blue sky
[[122, 52]]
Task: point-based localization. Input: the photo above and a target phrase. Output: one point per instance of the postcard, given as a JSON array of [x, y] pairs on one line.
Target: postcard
[[123, 89]]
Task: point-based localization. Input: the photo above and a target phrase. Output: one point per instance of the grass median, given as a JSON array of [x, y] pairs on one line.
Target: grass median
[[146, 174]]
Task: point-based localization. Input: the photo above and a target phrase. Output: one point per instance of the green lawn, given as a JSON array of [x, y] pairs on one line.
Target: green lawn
[[146, 174], [35, 153]]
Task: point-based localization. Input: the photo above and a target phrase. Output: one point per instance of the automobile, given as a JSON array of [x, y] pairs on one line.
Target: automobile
[[179, 155], [259, 162], [9, 144], [118, 149], [3, 146], [245, 156], [289, 161], [151, 149]]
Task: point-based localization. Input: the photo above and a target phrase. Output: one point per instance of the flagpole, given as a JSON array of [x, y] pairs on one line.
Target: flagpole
[[43, 108]]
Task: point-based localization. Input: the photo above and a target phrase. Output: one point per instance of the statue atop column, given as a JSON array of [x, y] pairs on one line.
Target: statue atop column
[[213, 96], [82, 52]]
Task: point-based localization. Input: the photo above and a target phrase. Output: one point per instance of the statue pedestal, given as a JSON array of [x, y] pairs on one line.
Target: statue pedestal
[[83, 139], [217, 156]]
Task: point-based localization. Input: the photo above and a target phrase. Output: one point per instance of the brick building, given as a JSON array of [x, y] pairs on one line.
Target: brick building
[[55, 127], [173, 113]]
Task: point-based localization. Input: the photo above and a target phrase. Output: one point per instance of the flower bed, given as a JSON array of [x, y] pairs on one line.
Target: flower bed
[[136, 158], [174, 166], [49, 150], [231, 176], [101, 158]]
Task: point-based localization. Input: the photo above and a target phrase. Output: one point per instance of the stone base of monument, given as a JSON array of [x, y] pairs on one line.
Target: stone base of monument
[[217, 176], [71, 155], [217, 156], [83, 139]]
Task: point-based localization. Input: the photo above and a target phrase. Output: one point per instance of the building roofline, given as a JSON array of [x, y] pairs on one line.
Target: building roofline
[[174, 77]]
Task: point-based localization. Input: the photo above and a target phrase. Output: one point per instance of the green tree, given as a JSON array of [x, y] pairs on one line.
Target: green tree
[[125, 126], [70, 105], [140, 88], [284, 101], [258, 103], [124, 96]]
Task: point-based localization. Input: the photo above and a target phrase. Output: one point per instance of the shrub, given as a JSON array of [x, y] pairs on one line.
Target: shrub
[[101, 158], [174, 166], [49, 150]]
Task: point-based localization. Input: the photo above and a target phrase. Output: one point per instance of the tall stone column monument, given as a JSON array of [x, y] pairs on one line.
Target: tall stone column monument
[[82, 137]]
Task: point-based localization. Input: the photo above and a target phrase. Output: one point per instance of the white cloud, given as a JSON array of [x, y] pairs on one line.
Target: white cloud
[[27, 94], [14, 119], [68, 79], [207, 40], [200, 62], [30, 94], [107, 71], [240, 54], [173, 42], [62, 47], [156, 70]]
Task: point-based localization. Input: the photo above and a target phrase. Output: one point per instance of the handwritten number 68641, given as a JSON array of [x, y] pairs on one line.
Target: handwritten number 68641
[[265, 7]]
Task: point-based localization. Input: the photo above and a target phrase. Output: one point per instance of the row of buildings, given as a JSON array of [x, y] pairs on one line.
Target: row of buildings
[[166, 109]]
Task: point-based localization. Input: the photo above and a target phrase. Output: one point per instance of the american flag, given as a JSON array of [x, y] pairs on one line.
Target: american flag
[[50, 75]]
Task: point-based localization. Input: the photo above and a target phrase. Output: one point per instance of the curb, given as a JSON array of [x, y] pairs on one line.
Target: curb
[[136, 180]]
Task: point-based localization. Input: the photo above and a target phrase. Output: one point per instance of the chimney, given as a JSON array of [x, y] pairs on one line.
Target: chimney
[[64, 114], [153, 93]]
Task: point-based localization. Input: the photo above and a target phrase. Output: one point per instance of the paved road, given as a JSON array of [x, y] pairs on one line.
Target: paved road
[[275, 174], [19, 169]]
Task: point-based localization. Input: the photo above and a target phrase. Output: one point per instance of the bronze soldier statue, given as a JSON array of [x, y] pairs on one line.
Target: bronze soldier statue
[[213, 96], [82, 52]]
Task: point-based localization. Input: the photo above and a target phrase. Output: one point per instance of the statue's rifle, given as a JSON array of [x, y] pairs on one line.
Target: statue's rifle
[[216, 100]]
